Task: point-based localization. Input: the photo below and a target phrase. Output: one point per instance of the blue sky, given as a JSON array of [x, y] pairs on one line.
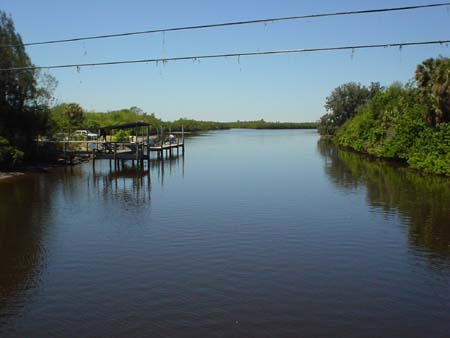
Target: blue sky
[[276, 88]]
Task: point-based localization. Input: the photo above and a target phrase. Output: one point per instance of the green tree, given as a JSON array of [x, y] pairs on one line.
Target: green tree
[[75, 115], [344, 102], [433, 84], [24, 97], [9, 155], [67, 117], [122, 136]]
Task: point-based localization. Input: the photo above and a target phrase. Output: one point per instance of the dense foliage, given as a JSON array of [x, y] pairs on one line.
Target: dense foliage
[[66, 117], [343, 103], [433, 79], [409, 123], [9, 155], [24, 96]]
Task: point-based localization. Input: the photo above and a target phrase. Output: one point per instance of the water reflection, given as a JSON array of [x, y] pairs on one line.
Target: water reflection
[[128, 181], [423, 202], [167, 166], [24, 217]]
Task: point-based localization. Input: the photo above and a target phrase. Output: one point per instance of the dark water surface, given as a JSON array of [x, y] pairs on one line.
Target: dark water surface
[[252, 234]]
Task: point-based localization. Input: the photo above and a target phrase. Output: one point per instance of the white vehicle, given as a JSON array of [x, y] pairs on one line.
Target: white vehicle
[[86, 134]]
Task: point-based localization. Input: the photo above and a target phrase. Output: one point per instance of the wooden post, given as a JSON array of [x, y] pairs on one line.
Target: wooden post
[[148, 145], [170, 142], [115, 152], [137, 150], [178, 145], [182, 138], [162, 143]]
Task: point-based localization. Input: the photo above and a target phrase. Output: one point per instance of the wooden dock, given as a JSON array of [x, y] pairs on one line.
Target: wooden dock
[[117, 151], [140, 150]]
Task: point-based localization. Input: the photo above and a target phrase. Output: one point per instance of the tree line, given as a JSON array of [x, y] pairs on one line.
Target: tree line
[[69, 117]]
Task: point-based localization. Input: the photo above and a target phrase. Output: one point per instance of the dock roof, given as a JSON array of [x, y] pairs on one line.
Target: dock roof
[[129, 125]]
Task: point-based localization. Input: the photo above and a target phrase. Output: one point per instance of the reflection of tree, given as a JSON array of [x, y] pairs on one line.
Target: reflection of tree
[[23, 218], [423, 200]]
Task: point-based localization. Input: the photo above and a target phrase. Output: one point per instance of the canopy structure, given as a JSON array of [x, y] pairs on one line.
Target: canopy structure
[[127, 125]]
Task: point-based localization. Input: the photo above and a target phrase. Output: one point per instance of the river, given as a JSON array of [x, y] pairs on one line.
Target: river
[[250, 234]]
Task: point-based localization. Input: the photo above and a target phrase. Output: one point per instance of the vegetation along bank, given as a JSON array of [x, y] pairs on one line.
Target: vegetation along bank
[[408, 122]]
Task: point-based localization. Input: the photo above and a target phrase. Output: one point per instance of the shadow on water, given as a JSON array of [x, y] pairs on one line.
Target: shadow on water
[[23, 225], [423, 202]]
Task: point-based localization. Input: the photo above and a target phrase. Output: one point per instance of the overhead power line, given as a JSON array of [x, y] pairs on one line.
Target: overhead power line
[[234, 23], [215, 56]]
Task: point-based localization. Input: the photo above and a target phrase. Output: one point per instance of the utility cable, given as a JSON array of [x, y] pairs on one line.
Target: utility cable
[[215, 56], [233, 23]]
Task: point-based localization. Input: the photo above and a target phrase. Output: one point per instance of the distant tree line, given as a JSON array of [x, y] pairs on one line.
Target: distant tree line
[[261, 124], [70, 117], [407, 122]]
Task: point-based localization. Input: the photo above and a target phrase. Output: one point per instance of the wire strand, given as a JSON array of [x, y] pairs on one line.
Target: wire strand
[[233, 23], [214, 56]]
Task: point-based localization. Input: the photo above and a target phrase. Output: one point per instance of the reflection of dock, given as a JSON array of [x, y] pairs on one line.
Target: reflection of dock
[[123, 182], [134, 182]]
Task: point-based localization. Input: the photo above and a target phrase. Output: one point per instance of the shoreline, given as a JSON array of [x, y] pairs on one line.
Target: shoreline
[[32, 168], [7, 175], [394, 161]]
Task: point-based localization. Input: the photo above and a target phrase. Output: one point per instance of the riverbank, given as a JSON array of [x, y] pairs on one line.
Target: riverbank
[[6, 175], [33, 168], [405, 139], [27, 169]]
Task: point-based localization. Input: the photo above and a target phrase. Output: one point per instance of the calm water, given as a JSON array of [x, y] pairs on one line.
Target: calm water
[[252, 234]]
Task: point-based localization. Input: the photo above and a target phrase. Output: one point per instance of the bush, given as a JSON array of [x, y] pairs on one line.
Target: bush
[[122, 136], [343, 103], [431, 151], [9, 155], [392, 126]]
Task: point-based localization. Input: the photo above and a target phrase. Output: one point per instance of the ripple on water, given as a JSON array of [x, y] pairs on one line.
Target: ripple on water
[[251, 234]]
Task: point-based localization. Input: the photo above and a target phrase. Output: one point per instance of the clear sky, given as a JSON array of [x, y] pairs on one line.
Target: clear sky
[[278, 87]]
